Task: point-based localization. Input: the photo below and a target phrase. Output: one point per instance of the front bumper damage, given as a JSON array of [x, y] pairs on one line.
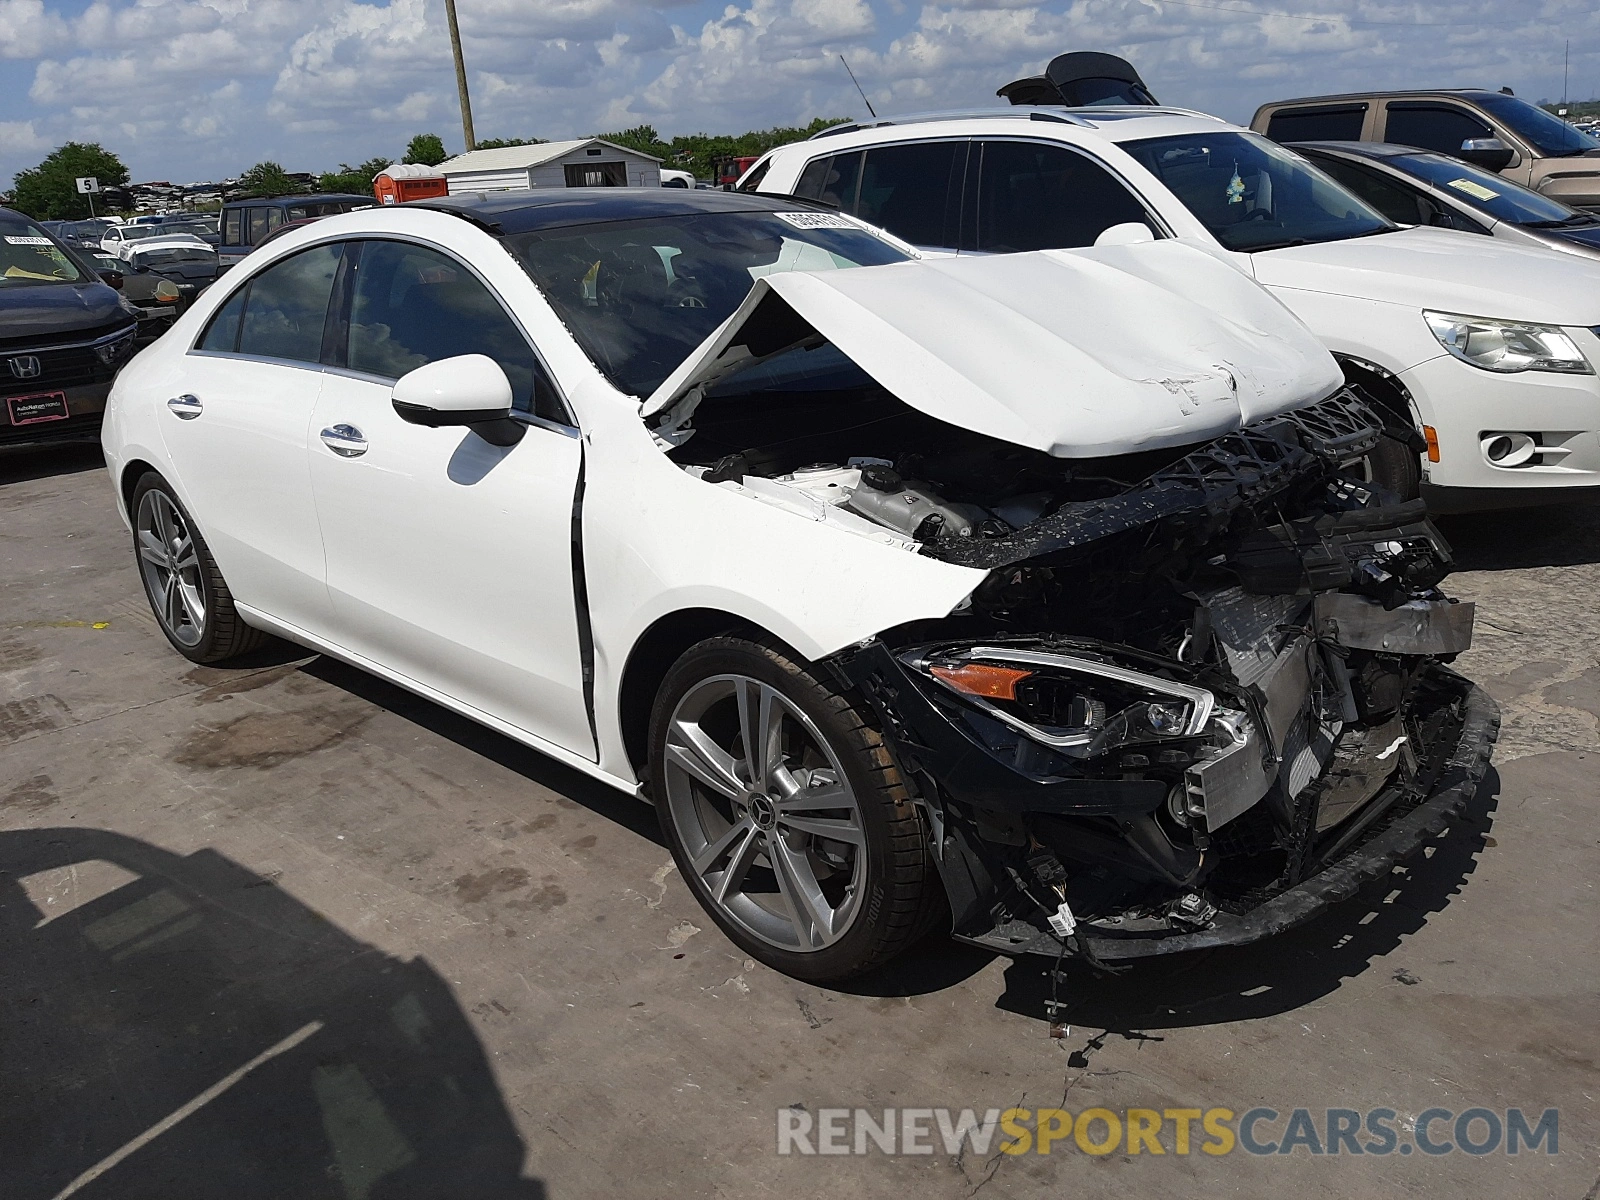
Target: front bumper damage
[[1303, 738]]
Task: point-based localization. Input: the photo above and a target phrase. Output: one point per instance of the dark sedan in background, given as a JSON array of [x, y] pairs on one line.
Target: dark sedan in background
[[1419, 187], [64, 331]]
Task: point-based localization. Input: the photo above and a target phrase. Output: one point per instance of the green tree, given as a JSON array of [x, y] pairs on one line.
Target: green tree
[[50, 191], [267, 179], [356, 180], [427, 149], [642, 138]]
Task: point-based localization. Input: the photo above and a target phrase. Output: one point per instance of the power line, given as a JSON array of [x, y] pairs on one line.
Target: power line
[[1253, 12]]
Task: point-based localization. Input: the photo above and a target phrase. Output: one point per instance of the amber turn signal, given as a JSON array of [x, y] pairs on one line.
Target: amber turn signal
[[1432, 439], [981, 679]]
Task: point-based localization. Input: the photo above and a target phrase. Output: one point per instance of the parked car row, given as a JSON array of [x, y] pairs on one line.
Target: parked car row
[[1479, 351]]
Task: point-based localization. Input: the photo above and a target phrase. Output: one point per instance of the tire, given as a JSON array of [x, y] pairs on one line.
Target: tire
[[187, 594], [1395, 467], [758, 859]]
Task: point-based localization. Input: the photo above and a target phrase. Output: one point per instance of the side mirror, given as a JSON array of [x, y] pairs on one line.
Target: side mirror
[[1490, 153], [1129, 233], [112, 279], [469, 390]]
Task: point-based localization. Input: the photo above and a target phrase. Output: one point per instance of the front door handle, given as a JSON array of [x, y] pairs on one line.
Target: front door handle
[[186, 406], [344, 440]]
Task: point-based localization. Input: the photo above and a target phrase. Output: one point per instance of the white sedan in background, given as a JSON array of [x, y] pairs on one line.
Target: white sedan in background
[[1024, 597]]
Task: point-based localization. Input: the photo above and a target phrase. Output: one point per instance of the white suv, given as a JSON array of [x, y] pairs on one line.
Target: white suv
[[1484, 353]]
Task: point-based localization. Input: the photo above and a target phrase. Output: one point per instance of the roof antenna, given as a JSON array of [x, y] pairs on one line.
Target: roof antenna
[[855, 81]]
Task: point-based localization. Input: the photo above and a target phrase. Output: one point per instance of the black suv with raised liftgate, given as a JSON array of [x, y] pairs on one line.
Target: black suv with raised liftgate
[[64, 331]]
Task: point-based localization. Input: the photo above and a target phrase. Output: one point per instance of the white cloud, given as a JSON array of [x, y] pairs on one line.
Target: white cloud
[[205, 87]]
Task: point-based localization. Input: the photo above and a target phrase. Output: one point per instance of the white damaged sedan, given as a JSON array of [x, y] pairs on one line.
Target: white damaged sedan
[[1031, 597]]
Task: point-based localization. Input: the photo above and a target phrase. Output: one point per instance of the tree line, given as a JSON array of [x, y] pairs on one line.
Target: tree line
[[49, 190]]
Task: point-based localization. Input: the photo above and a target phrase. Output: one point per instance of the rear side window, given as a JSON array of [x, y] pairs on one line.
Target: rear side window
[[1328, 123], [256, 226], [1033, 196], [913, 191], [1433, 127], [233, 227], [286, 307], [410, 306], [223, 332]]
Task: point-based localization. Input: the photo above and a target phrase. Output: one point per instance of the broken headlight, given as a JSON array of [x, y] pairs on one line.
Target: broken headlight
[[1077, 706]]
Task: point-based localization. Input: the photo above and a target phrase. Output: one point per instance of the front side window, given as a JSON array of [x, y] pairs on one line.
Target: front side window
[[1433, 127], [233, 227], [410, 306], [286, 306], [1390, 197], [1034, 196], [258, 226], [913, 191], [639, 296], [1252, 194], [832, 180], [29, 257]]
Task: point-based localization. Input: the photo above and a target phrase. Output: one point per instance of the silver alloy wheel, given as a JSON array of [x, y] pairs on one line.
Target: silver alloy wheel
[[765, 813], [171, 568]]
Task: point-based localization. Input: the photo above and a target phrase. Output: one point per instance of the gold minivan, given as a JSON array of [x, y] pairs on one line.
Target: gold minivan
[[1494, 130]]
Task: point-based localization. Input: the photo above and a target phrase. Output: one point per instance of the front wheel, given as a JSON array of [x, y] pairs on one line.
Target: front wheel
[[1396, 467], [187, 593], [786, 814]]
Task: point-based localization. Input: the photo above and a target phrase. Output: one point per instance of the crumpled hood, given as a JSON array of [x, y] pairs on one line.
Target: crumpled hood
[[1079, 353], [1446, 270]]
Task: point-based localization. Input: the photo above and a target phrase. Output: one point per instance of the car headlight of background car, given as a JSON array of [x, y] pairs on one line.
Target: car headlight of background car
[[1508, 346], [1077, 706]]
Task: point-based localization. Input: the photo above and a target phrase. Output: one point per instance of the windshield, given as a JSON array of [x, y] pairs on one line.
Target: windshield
[[1494, 194], [1254, 195], [1545, 132], [640, 295], [28, 256]]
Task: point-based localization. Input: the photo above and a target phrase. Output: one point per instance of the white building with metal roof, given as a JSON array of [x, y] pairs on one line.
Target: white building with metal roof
[[584, 162]]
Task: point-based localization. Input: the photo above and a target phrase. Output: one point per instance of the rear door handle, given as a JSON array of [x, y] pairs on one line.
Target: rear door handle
[[186, 406], [344, 440]]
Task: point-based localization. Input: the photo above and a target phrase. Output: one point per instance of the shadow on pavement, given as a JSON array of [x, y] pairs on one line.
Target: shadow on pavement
[[1272, 976], [600, 798], [21, 463], [137, 985], [1555, 536]]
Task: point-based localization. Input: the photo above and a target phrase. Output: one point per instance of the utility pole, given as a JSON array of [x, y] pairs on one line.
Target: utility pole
[[461, 75], [1566, 54]]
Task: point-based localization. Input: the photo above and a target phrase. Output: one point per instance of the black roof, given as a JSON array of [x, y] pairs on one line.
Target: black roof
[[525, 211], [1362, 149], [309, 197]]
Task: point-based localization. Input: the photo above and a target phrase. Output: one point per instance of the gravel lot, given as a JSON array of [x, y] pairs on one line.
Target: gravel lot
[[285, 931]]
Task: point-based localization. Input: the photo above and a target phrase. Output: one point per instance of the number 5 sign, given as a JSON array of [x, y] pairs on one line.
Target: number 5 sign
[[88, 184]]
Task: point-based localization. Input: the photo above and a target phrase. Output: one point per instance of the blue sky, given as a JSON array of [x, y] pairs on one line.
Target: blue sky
[[187, 90]]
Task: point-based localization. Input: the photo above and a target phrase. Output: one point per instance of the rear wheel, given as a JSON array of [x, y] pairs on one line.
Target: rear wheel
[[190, 599], [786, 814]]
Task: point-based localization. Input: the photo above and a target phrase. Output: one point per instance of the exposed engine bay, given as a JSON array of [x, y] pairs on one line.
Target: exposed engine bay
[[1193, 680]]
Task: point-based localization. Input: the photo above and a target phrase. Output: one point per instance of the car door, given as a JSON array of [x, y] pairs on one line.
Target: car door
[[1431, 125], [1045, 196], [912, 189], [236, 436], [450, 560]]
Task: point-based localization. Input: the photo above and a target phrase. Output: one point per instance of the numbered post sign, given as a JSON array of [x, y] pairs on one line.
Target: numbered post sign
[[88, 184]]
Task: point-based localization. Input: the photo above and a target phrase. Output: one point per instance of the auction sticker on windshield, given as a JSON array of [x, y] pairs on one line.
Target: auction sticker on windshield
[[816, 220], [27, 241], [1475, 190]]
